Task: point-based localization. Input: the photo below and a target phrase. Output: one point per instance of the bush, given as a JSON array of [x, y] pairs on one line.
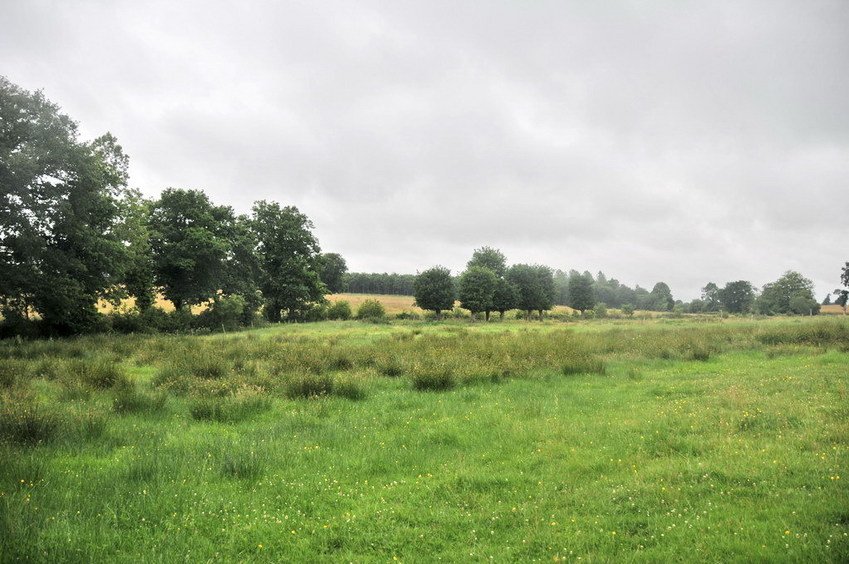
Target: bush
[[316, 312], [340, 311], [371, 310]]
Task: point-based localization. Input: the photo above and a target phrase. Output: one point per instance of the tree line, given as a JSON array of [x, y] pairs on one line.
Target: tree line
[[72, 233]]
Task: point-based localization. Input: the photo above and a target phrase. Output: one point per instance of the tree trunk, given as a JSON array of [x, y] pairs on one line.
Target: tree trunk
[[540, 315], [487, 316]]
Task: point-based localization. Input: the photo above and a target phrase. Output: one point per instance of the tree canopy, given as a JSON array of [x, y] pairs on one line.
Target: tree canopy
[[59, 207], [476, 290], [289, 256], [490, 258], [434, 290], [534, 285], [791, 293]]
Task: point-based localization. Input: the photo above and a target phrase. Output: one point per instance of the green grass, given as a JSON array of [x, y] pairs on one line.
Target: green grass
[[608, 442]]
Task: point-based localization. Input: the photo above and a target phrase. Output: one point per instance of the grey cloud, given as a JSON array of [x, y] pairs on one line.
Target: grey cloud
[[680, 141]]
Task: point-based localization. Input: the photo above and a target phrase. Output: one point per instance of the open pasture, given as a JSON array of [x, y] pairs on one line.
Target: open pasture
[[423, 442]]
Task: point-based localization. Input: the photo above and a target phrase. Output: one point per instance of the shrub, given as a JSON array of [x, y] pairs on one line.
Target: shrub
[[600, 310], [371, 310], [316, 312], [340, 311]]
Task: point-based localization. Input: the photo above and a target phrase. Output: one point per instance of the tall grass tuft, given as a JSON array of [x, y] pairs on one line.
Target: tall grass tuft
[[128, 399], [434, 379], [24, 422], [309, 386]]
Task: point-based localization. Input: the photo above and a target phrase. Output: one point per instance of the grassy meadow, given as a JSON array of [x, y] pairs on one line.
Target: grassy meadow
[[616, 441]]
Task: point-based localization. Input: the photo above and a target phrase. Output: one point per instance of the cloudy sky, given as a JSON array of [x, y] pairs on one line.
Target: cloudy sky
[[663, 140]]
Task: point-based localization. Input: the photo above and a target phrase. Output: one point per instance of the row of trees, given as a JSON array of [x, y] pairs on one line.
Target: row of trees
[[380, 283], [791, 294], [488, 285], [71, 233]]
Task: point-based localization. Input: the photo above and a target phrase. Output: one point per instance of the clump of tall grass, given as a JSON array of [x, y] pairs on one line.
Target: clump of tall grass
[[12, 372], [308, 385], [584, 365], [24, 422], [99, 373], [230, 409], [433, 378], [820, 334], [349, 388], [128, 399]]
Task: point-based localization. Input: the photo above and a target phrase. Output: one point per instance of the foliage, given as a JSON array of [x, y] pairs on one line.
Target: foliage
[[434, 290], [59, 204], [791, 290], [290, 258], [375, 283], [505, 296], [661, 297], [491, 259], [476, 289], [371, 310], [535, 287], [737, 297], [712, 298], [333, 271], [581, 296], [843, 294], [189, 245], [340, 310]]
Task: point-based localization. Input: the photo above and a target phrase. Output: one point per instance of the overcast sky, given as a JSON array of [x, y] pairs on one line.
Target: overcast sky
[[679, 141]]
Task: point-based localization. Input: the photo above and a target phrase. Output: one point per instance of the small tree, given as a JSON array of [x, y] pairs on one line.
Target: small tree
[[737, 297], [290, 260], [476, 290], [628, 309], [504, 297], [434, 290], [534, 287], [581, 295], [777, 296], [662, 297]]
